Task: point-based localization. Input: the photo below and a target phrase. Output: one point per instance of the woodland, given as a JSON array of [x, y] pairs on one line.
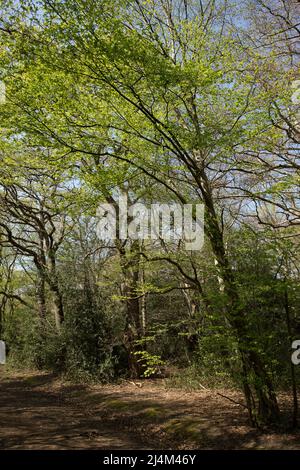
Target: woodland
[[167, 102]]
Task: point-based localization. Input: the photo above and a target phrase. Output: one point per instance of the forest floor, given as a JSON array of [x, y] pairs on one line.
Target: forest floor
[[42, 411]]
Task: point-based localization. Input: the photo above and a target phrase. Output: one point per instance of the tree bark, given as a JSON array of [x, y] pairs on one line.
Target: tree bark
[[41, 297], [259, 393], [130, 264], [58, 308]]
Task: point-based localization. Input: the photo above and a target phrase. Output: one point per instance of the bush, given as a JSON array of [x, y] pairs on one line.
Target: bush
[[82, 350]]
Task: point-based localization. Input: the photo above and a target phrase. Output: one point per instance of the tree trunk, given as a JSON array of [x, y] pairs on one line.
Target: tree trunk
[[130, 264], [58, 308], [143, 304], [259, 393], [41, 297]]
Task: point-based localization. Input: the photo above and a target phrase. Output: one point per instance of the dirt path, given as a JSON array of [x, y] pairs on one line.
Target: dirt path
[[39, 411], [34, 414]]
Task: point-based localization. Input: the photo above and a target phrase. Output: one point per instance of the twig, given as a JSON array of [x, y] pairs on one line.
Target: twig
[[224, 396]]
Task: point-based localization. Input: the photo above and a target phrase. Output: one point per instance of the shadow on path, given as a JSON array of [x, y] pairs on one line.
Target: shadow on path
[[39, 411], [34, 417]]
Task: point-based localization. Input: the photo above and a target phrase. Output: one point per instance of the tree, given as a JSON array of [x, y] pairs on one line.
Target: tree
[[144, 86], [33, 224]]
